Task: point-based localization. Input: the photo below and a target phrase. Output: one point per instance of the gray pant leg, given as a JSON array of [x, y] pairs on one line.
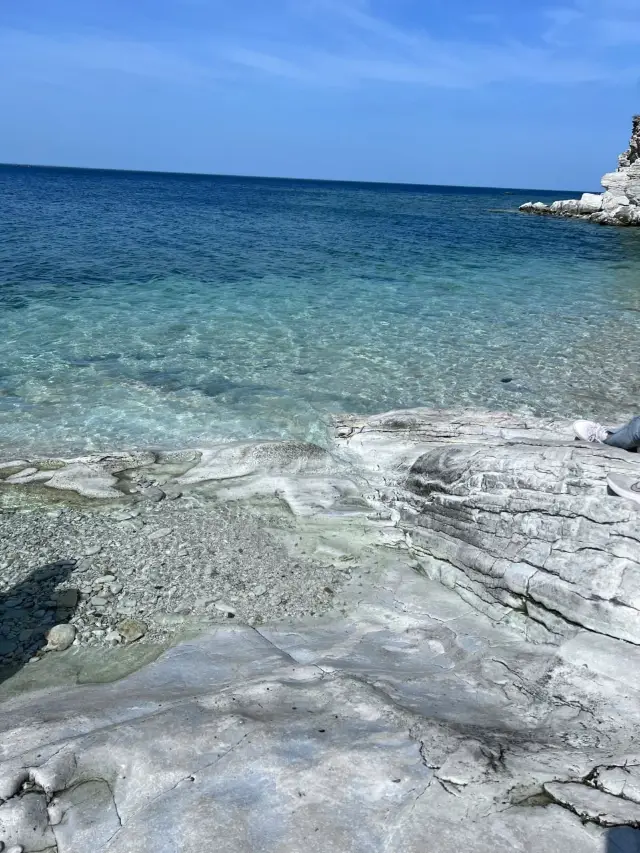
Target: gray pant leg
[[627, 437]]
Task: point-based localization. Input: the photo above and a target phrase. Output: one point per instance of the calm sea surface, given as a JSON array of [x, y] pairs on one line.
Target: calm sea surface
[[179, 310]]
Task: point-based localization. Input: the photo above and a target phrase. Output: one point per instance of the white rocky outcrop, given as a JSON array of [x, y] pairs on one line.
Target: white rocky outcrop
[[477, 692], [619, 205]]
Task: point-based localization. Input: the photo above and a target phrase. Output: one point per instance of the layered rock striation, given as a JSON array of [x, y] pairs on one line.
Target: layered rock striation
[[619, 205], [475, 690]]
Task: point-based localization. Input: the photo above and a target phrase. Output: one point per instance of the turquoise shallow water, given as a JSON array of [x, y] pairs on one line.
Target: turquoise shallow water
[[178, 310]]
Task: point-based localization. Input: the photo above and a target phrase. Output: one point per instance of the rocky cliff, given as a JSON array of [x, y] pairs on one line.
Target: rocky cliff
[[619, 205]]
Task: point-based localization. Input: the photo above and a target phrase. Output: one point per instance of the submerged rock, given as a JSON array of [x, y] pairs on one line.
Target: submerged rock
[[619, 205]]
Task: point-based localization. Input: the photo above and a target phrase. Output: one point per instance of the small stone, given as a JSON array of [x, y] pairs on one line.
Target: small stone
[[225, 608], [153, 494], [132, 630], [259, 590], [203, 603], [112, 637], [98, 601], [65, 564], [160, 533], [105, 579], [16, 601], [67, 599], [94, 549], [116, 588], [125, 515], [60, 637]]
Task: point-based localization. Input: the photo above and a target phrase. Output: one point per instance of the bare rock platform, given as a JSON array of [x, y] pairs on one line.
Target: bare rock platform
[[475, 686]]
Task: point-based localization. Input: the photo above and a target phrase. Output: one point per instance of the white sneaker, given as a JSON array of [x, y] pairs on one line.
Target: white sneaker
[[590, 431], [626, 487]]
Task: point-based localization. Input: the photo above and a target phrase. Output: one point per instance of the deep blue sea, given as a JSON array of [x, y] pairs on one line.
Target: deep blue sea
[[142, 309]]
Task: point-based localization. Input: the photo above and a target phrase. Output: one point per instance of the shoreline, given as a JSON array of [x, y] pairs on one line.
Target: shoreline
[[147, 547], [472, 661]]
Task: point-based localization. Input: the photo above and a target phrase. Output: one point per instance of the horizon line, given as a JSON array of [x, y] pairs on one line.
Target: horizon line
[[278, 178]]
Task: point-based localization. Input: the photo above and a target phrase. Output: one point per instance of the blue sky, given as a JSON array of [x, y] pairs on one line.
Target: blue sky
[[533, 93]]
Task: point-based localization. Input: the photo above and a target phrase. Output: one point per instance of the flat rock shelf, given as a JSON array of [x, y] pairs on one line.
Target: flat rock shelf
[[425, 637]]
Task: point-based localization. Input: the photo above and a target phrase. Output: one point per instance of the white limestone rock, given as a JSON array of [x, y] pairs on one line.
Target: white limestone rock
[[476, 692], [619, 205]]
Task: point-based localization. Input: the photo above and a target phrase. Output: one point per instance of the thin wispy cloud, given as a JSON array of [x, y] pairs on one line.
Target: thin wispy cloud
[[343, 43], [52, 56], [594, 24], [371, 48]]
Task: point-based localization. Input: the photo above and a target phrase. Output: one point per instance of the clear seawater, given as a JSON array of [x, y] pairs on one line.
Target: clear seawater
[[179, 310]]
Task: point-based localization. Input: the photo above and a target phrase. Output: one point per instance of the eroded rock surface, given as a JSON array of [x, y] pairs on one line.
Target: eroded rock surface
[[515, 517], [618, 205], [478, 691]]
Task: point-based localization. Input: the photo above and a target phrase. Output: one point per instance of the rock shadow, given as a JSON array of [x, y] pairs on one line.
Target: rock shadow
[[29, 609], [623, 839]]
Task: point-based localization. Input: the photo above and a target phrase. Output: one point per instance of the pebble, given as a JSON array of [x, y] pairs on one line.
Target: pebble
[[141, 578], [92, 551], [60, 637], [125, 515], [161, 533], [67, 599], [153, 494], [132, 630], [112, 637]]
